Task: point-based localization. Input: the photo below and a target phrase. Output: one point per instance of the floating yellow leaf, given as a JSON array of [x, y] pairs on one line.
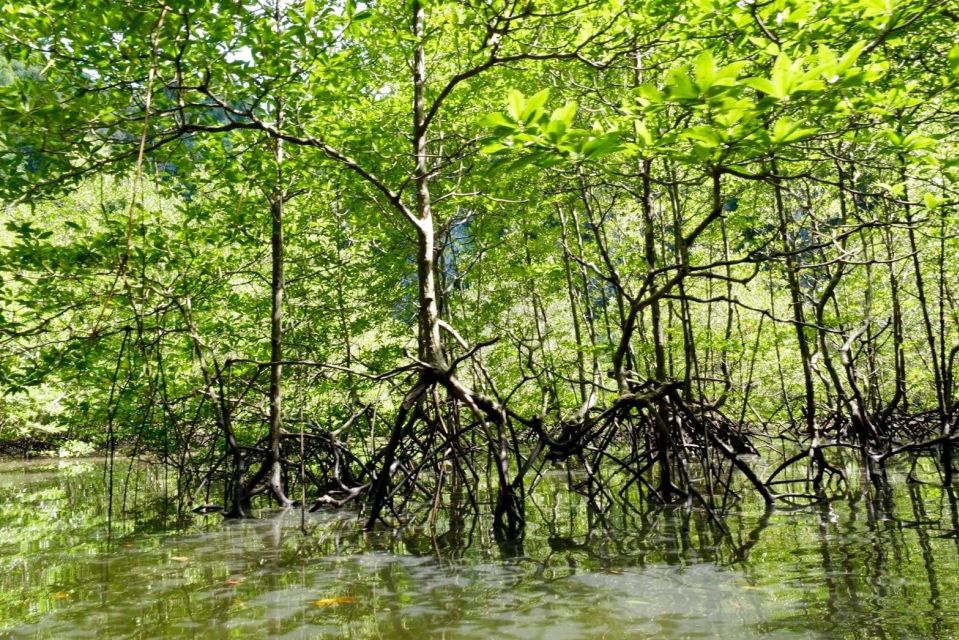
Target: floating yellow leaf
[[179, 558], [61, 595], [332, 602]]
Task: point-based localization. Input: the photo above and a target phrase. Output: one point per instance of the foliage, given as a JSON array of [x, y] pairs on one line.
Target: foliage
[[543, 211]]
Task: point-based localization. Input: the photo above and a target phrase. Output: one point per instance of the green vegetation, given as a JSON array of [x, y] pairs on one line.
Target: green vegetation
[[358, 253]]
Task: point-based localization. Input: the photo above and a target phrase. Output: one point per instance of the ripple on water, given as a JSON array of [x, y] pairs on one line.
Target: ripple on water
[[806, 574]]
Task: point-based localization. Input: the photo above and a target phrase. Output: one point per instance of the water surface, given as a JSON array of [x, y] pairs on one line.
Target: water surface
[[864, 566]]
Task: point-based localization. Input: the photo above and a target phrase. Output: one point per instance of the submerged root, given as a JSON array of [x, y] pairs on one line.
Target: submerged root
[[651, 440]]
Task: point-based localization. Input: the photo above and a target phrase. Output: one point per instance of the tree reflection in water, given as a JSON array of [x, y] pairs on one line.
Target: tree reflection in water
[[861, 566]]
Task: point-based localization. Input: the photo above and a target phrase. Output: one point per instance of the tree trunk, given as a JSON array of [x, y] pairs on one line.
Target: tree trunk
[[276, 344], [799, 320], [430, 341], [277, 200]]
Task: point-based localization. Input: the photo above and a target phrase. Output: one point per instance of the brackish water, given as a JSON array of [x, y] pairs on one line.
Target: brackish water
[[859, 567]]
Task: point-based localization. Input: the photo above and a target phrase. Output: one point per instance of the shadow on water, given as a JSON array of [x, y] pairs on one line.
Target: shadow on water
[[865, 566]]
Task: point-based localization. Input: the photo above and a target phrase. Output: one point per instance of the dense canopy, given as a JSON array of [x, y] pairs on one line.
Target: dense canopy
[[352, 252]]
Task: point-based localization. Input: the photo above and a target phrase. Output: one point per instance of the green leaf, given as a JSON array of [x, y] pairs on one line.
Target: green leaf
[[534, 107], [554, 130], [600, 146], [782, 76], [705, 70], [707, 136], [760, 84], [523, 161], [493, 120], [893, 137], [680, 86], [650, 93], [493, 147], [850, 57], [516, 104], [828, 63], [730, 72], [931, 201], [643, 135], [915, 141], [565, 114], [785, 130]]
